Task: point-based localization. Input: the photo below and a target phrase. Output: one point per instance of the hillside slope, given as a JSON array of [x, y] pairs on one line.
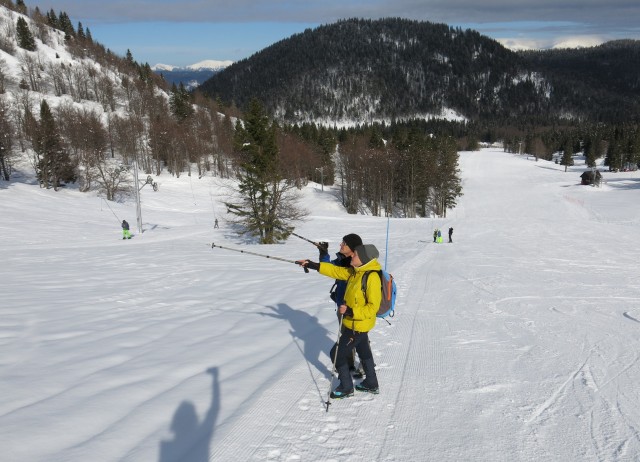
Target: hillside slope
[[518, 341]]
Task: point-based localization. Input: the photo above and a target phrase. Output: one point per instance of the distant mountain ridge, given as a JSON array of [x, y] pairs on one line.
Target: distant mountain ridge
[[193, 75], [396, 69]]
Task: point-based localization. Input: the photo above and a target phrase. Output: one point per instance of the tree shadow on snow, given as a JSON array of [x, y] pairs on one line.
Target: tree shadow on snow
[[307, 330], [192, 438]]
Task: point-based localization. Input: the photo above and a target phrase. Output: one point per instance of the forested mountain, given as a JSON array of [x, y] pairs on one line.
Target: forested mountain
[[602, 83], [72, 112], [396, 69]]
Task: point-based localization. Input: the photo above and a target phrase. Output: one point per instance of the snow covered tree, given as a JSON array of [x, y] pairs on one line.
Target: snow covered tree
[[265, 202]]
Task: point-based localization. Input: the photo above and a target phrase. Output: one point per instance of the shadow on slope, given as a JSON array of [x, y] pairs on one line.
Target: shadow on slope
[[192, 438]]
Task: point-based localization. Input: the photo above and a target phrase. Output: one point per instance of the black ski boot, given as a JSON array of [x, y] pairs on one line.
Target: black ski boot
[[370, 384], [345, 389]]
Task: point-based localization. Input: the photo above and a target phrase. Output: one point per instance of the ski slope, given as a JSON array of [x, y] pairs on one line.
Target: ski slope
[[520, 341]]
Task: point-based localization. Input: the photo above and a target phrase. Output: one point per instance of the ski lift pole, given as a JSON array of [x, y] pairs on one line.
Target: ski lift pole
[[386, 249], [138, 207], [213, 245]]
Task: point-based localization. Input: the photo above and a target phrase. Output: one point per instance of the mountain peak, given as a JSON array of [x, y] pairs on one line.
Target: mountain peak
[[210, 64], [207, 64], [163, 67]]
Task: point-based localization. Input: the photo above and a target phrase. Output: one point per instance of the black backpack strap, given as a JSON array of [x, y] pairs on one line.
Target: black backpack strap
[[365, 277]]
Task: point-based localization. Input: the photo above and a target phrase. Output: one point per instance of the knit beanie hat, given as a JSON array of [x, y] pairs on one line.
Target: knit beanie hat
[[367, 252], [352, 241]]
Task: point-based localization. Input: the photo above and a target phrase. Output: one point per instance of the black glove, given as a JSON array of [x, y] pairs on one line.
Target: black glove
[[308, 264], [323, 248]]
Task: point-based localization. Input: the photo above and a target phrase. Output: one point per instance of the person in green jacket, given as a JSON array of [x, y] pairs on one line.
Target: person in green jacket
[[358, 315]]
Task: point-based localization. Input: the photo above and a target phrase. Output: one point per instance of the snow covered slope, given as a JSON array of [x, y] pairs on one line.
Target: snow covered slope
[[518, 342]]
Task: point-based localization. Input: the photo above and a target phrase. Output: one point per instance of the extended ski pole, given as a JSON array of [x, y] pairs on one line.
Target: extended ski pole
[[297, 235], [333, 365], [213, 245]]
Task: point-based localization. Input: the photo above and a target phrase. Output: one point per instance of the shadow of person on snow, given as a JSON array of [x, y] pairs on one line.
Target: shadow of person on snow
[[315, 338], [192, 438]]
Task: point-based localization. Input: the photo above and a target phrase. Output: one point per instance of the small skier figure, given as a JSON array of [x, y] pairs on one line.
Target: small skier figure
[[215, 224], [439, 237], [125, 230], [435, 234], [450, 234]]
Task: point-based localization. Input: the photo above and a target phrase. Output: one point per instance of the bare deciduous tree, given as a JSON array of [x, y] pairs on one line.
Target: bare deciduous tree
[[6, 139]]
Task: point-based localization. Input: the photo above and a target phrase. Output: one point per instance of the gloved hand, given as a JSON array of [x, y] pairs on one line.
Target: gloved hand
[[323, 248], [308, 264], [348, 312]]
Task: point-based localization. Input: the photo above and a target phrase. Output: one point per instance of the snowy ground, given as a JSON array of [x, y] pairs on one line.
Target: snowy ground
[[518, 342]]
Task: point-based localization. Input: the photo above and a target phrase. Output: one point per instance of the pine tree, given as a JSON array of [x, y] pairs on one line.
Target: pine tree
[[567, 155], [21, 7], [180, 102], [265, 204], [52, 19], [614, 153], [24, 35], [66, 26], [80, 31], [54, 164]]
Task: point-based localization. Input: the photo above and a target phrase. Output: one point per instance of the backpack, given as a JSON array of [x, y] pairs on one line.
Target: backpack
[[388, 302]]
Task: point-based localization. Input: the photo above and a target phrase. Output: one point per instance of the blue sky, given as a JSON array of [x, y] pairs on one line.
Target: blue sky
[[183, 32]]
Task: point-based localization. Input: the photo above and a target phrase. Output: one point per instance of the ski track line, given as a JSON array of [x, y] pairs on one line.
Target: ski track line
[[242, 440], [558, 394], [414, 365]]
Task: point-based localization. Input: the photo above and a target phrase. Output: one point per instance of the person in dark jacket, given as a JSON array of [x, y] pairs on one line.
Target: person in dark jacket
[[343, 259], [358, 316], [450, 234], [125, 230]]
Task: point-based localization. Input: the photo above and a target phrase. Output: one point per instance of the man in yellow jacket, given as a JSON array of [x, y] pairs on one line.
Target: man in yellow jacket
[[358, 314]]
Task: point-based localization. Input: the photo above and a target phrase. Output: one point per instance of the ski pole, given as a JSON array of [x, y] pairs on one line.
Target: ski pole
[[297, 235], [333, 366], [306, 270]]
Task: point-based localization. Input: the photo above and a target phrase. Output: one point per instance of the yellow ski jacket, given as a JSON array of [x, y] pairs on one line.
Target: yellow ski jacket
[[364, 309]]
